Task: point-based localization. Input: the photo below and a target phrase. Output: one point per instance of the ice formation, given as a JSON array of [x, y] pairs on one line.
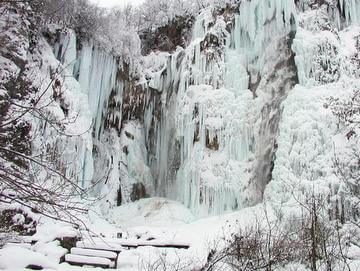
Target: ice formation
[[97, 75], [310, 137], [96, 72], [207, 138], [205, 125]]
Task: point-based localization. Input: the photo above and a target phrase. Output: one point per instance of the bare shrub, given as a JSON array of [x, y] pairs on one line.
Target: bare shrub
[[309, 240]]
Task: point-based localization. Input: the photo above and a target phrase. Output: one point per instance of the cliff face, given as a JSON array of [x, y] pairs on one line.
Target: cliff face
[[44, 115], [234, 113]]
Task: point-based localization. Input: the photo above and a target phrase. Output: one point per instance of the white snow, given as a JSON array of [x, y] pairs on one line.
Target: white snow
[[92, 252], [87, 260], [310, 136], [113, 3], [153, 212], [16, 258], [102, 245], [52, 250], [48, 230]]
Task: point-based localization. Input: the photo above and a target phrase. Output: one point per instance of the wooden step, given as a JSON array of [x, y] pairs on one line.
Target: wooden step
[[178, 244], [163, 244], [130, 243], [94, 253], [134, 243], [86, 260], [99, 246]]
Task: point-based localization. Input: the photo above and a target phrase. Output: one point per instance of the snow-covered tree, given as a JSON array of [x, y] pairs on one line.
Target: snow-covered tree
[[34, 116]]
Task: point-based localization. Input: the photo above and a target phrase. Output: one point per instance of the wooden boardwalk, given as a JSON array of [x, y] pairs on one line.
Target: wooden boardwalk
[[104, 252], [101, 252]]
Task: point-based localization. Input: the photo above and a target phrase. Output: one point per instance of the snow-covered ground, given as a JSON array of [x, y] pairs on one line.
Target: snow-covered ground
[[157, 219], [153, 220]]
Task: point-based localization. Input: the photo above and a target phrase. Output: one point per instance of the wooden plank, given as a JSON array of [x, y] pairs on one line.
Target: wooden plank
[[85, 260], [99, 246], [164, 244], [177, 244], [126, 243], [109, 243], [94, 252], [113, 241], [152, 243]]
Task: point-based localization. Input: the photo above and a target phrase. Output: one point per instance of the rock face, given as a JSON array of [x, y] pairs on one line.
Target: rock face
[[40, 107], [208, 119], [168, 37], [15, 87]]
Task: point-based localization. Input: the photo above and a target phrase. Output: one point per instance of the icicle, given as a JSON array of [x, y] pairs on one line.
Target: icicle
[[341, 5], [97, 73], [254, 27], [65, 51]]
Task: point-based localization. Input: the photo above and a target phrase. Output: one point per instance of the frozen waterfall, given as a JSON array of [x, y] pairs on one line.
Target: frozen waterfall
[[97, 74], [201, 125], [212, 118]]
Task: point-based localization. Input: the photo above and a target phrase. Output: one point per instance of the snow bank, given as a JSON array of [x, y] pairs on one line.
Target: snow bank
[[152, 212], [87, 260], [16, 258], [90, 252]]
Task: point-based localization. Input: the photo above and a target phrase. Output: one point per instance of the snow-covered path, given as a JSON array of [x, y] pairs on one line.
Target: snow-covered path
[[169, 222]]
